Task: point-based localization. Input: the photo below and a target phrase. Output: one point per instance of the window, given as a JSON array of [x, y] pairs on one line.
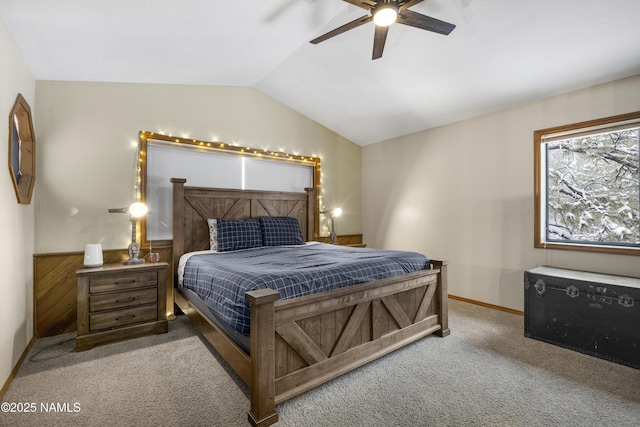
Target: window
[[587, 189]]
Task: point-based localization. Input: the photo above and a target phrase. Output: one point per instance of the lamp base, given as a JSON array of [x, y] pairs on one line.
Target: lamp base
[[134, 250], [132, 261]]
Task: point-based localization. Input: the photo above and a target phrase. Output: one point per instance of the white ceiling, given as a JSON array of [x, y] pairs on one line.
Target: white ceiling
[[502, 53]]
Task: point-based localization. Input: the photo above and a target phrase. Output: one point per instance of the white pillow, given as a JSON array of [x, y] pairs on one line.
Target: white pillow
[[213, 234]]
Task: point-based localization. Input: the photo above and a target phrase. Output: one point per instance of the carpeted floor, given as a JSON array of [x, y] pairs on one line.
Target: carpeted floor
[[485, 374]]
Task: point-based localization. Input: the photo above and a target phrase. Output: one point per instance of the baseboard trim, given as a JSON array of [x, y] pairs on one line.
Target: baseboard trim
[[16, 368], [484, 304]]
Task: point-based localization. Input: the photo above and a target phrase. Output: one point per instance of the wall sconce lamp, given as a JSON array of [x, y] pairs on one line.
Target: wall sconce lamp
[[333, 214], [136, 210]]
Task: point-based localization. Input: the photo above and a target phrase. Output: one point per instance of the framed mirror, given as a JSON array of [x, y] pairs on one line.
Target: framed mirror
[[22, 150]]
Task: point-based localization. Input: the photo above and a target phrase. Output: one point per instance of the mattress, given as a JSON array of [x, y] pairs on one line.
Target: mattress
[[221, 279]]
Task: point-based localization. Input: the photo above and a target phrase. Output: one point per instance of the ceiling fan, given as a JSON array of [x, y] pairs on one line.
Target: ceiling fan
[[384, 13]]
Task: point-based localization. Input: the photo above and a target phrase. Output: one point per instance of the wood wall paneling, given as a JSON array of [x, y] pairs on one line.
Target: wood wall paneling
[[347, 239]]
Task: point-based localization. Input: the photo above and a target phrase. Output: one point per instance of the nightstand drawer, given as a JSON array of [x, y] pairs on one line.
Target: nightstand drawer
[[110, 301], [117, 318], [118, 282]]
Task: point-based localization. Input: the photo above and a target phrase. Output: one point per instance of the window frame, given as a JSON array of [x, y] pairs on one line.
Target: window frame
[[540, 202]]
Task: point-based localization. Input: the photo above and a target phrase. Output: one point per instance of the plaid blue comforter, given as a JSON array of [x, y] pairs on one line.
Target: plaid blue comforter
[[222, 279]]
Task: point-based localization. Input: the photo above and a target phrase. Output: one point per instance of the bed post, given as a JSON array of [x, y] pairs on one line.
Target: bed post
[[178, 224], [313, 218], [263, 365], [442, 295]]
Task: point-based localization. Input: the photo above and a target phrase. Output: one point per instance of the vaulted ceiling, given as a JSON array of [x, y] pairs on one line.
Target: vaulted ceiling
[[501, 54]]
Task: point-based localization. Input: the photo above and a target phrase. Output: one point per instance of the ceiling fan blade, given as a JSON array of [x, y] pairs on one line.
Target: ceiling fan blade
[[365, 4], [414, 19], [379, 40], [346, 27]]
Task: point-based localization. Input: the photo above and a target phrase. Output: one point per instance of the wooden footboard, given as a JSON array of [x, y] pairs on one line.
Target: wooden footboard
[[301, 343]]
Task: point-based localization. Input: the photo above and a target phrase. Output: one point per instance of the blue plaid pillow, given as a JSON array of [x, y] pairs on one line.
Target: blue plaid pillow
[[280, 230], [233, 235]]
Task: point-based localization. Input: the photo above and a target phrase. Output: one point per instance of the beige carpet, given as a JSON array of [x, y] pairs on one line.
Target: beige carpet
[[485, 374]]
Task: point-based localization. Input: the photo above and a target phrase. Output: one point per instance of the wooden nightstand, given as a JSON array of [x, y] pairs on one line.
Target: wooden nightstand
[[117, 302]]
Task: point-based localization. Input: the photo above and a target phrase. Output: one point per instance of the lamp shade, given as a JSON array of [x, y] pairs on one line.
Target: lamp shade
[[93, 255]]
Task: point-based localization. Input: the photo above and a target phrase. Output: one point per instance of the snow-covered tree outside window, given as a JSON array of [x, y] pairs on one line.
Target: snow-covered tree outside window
[[588, 188]]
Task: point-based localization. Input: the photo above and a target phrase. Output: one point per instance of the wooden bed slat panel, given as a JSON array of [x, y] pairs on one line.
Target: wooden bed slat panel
[[365, 328], [311, 327], [301, 343], [425, 304], [412, 302], [280, 357], [327, 332], [342, 316], [295, 362], [350, 329], [303, 380], [299, 308], [239, 209], [366, 322], [396, 311], [377, 316]]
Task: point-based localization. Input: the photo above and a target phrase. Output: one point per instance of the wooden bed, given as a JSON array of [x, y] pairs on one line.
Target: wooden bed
[[300, 343]]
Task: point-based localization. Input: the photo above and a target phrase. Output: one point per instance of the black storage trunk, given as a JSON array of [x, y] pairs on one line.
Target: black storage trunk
[[592, 313]]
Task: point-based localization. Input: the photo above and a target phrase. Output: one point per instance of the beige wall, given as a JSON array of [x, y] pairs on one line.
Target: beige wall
[[16, 220], [464, 193], [89, 132]]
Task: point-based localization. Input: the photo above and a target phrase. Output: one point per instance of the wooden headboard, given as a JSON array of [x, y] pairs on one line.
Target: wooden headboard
[[192, 206]]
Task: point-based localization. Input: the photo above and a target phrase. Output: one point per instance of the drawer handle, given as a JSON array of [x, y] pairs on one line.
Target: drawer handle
[[127, 317], [124, 282], [126, 299]]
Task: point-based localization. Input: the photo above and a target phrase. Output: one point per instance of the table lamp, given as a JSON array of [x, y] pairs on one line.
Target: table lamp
[[334, 214], [136, 210]]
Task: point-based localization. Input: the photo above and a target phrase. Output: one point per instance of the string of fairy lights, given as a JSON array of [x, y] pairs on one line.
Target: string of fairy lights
[[236, 149]]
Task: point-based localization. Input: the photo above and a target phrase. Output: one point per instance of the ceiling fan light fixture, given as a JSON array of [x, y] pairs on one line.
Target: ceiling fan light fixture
[[385, 14]]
